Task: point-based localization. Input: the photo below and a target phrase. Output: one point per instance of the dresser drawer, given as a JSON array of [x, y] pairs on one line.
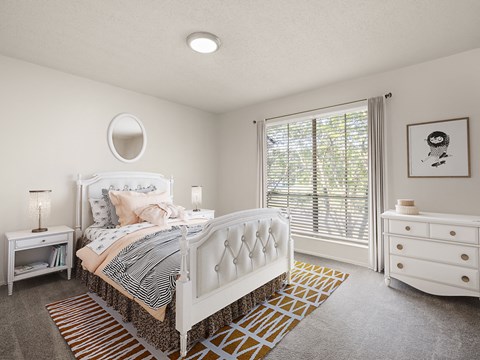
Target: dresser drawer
[[40, 241], [441, 273], [411, 228], [435, 251], [463, 234]]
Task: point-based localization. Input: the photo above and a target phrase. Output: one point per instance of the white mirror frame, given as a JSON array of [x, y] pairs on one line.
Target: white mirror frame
[[111, 145]]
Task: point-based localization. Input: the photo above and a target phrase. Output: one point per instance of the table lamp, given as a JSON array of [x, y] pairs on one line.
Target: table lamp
[[40, 206]]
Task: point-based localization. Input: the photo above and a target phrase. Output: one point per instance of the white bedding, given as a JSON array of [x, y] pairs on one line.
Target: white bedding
[[103, 238]]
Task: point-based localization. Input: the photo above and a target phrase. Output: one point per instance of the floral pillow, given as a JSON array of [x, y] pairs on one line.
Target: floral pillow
[[99, 212]]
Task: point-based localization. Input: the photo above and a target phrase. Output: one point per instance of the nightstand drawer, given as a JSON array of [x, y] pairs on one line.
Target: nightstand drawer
[[435, 251], [442, 273], [40, 241], [463, 234], [410, 228]]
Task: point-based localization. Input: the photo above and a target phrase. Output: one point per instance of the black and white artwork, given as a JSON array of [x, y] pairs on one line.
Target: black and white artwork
[[438, 149]]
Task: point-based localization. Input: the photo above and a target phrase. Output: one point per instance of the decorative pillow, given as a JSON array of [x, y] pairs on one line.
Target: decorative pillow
[[112, 221], [126, 202], [154, 214], [99, 212], [158, 214], [174, 211]]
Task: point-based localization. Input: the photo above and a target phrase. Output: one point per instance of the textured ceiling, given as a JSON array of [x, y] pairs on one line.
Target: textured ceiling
[[270, 48]]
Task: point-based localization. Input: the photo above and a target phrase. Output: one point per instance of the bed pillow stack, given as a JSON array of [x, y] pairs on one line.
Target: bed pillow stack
[[127, 202], [103, 211], [406, 207], [113, 221]]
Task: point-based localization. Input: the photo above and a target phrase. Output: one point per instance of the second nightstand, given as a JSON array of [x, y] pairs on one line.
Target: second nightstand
[[26, 240], [200, 214]]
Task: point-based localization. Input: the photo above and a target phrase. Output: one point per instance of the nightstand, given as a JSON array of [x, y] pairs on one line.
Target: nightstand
[[201, 214], [39, 246]]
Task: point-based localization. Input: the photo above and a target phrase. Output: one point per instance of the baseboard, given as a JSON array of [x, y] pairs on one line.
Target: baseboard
[[330, 257], [349, 253]]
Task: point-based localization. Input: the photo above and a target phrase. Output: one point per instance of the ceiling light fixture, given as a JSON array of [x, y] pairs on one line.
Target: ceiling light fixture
[[203, 42]]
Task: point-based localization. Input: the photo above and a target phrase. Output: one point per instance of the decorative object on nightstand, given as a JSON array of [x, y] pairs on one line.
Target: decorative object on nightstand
[[40, 207], [196, 197], [60, 257]]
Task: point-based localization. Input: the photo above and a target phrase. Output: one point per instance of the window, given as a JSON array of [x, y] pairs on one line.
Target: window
[[319, 169]]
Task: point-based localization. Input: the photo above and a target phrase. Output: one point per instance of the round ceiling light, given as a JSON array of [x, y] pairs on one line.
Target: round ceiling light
[[203, 42]]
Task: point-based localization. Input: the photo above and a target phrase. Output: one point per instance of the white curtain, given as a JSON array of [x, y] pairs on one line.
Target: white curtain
[[376, 179], [261, 163]]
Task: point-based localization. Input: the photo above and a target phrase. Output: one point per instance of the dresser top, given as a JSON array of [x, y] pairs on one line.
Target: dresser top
[[438, 218], [26, 234]]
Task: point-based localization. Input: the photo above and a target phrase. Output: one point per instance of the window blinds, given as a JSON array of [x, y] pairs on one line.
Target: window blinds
[[319, 169]]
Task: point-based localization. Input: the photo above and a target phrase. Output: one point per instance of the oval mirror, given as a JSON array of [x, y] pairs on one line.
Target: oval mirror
[[127, 138]]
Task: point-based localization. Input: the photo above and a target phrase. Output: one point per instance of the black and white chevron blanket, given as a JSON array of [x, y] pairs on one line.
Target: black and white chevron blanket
[[147, 269]]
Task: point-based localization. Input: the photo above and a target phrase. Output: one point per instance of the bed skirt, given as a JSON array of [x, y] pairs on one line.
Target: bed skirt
[[162, 334]]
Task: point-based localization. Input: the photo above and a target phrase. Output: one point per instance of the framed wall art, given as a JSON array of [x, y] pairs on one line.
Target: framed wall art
[[439, 149]]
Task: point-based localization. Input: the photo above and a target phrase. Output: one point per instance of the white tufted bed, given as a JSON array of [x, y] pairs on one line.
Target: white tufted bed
[[232, 256]]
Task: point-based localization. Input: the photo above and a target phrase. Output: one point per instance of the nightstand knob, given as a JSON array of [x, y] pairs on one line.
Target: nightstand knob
[[399, 246], [400, 265], [453, 233], [407, 228], [465, 257], [465, 279], [43, 240]]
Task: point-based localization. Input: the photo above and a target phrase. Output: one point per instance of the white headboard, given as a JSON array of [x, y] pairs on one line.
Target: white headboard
[[92, 188]]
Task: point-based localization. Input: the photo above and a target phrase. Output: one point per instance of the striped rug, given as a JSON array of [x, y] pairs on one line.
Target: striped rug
[[93, 333]]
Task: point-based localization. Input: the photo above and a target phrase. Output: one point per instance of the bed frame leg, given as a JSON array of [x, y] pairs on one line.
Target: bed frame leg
[[183, 345], [184, 296], [289, 277]]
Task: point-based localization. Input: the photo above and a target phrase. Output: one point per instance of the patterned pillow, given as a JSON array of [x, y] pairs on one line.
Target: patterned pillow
[[112, 221], [99, 212]]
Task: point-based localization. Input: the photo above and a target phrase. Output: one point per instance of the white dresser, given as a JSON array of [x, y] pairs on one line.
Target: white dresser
[[436, 253]]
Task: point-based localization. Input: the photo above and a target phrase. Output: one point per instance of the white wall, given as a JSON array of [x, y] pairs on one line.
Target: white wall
[[54, 125], [442, 89]]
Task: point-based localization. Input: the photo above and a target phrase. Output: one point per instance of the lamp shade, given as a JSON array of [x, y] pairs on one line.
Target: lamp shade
[[196, 197], [39, 207]]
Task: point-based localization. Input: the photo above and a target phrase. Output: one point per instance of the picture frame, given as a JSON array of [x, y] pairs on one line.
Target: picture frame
[[439, 149]]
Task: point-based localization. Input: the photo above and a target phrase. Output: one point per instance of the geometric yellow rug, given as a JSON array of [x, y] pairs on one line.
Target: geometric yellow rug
[[93, 333], [255, 334]]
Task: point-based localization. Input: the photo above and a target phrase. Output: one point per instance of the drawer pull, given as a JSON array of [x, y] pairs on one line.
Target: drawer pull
[[453, 233], [400, 265], [465, 257], [43, 240], [407, 228], [399, 246], [465, 279]]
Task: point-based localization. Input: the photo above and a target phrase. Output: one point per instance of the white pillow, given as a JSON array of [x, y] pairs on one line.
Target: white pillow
[[99, 212]]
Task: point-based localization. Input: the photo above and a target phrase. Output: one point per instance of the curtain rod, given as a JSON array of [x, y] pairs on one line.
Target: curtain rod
[[388, 95]]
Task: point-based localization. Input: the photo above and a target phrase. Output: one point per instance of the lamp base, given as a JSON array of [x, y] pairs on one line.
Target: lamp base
[[196, 209], [39, 230]]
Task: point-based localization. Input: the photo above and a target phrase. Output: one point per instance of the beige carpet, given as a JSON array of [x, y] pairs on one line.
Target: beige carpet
[[92, 333]]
